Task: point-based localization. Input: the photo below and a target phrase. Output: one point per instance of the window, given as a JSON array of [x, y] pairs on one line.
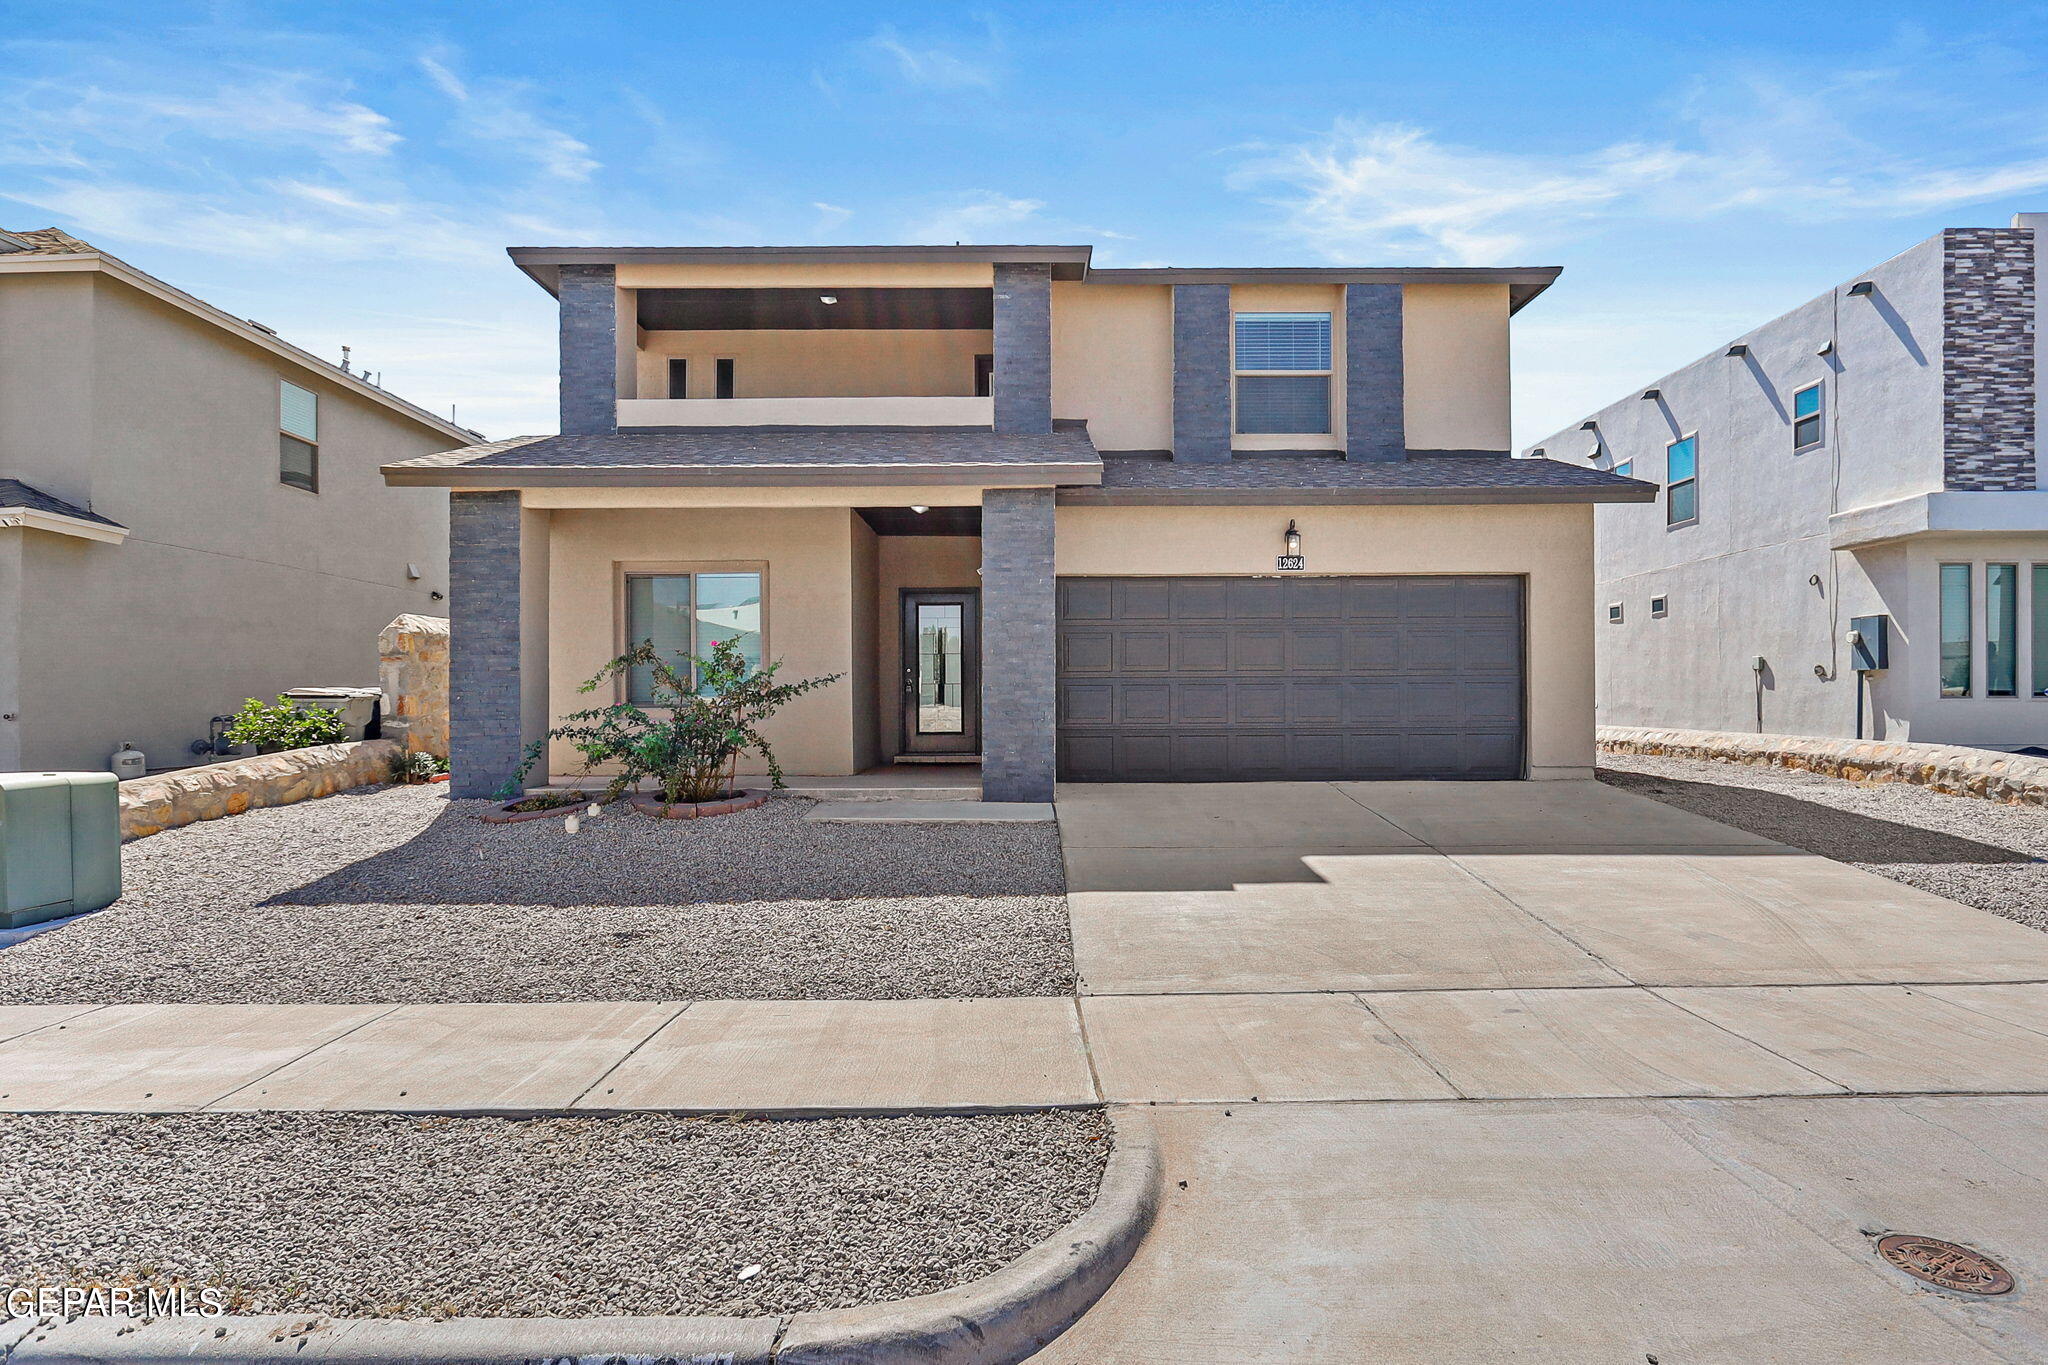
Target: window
[[678, 378], [1681, 482], [298, 437], [1955, 630], [1283, 373], [725, 379], [685, 614], [1614, 613], [2040, 613], [1660, 606], [1806, 417], [984, 375], [2001, 630]]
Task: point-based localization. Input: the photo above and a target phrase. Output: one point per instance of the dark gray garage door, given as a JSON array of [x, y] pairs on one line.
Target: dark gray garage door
[[1275, 679]]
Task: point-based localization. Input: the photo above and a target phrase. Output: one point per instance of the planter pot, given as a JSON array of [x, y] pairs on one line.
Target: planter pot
[[503, 814], [438, 777], [650, 803]]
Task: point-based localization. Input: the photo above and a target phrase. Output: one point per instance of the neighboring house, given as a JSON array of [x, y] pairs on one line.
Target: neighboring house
[[190, 512], [1870, 453], [1036, 514]]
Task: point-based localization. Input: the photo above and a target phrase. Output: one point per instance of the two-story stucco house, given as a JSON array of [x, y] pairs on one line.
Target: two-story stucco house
[[1874, 453], [1062, 522], [190, 512]]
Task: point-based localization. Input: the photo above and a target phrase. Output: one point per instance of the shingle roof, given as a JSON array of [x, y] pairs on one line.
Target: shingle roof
[[729, 453], [45, 242], [1303, 476], [15, 495]]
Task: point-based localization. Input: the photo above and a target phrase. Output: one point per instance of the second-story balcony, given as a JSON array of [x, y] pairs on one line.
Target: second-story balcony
[[811, 356]]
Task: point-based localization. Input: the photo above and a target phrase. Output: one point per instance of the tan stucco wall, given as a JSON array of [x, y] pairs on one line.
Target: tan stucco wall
[[817, 363], [1454, 354], [231, 585], [807, 560], [911, 562], [1552, 546], [1112, 362]]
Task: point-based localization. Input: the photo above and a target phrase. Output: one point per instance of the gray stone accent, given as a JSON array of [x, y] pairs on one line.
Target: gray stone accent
[[1023, 342], [483, 641], [1375, 426], [590, 350], [1201, 372], [1018, 645], [1987, 325]]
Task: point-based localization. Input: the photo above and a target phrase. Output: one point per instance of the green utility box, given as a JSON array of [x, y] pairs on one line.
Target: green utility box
[[60, 845]]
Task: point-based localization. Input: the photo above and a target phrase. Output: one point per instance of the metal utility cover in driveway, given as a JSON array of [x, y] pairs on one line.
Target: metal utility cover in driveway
[[1268, 679]]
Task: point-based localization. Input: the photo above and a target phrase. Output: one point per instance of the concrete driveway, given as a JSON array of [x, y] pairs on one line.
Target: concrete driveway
[[1547, 1071]]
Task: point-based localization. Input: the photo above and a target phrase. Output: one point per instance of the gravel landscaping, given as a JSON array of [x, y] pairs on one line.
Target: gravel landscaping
[[1980, 853], [397, 893], [386, 1216]]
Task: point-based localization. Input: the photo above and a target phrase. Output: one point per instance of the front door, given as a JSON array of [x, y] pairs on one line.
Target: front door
[[942, 671]]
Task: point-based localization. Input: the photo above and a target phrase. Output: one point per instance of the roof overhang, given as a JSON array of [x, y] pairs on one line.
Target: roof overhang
[[1524, 282], [2017, 512], [36, 519], [544, 263], [1344, 497], [780, 475]]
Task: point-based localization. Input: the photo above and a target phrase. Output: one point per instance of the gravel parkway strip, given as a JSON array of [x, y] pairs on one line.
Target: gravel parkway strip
[[399, 894], [387, 1216], [1979, 853]]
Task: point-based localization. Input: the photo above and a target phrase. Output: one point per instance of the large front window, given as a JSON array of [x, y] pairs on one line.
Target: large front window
[[1283, 373], [684, 614]]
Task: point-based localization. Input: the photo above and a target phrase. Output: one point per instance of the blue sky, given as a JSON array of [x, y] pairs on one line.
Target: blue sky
[[352, 173]]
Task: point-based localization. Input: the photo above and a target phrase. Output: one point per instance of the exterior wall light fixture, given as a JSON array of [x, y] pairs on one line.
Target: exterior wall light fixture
[[1738, 350], [1652, 395], [1827, 348], [1292, 539], [1589, 425], [1862, 289]]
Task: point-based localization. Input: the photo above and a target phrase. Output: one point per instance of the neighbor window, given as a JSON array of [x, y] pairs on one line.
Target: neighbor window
[[725, 379], [1955, 630], [298, 437], [684, 614], [1660, 606], [2001, 630], [2040, 614], [678, 378], [1283, 373], [1806, 417], [1614, 613], [1681, 480]]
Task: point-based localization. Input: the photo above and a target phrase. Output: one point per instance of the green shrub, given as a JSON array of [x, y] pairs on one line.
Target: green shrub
[[273, 729]]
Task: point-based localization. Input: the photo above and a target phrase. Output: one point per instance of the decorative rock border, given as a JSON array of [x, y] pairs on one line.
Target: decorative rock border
[[998, 1319], [503, 814], [650, 803], [1982, 773], [150, 805]]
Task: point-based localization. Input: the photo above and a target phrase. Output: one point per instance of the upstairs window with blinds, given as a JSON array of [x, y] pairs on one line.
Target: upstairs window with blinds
[[298, 437], [1282, 369]]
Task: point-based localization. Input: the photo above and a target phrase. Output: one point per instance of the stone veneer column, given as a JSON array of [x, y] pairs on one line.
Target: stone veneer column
[[1375, 426], [483, 641], [1987, 359], [590, 350], [1019, 756], [1023, 342], [1201, 372]]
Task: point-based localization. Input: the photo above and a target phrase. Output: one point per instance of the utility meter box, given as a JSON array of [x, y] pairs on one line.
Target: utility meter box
[[60, 845], [1870, 643]]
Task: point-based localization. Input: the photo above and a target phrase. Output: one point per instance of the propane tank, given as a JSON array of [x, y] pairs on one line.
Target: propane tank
[[127, 761]]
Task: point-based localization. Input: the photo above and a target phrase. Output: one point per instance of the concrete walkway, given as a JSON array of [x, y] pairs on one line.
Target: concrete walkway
[[1478, 1072]]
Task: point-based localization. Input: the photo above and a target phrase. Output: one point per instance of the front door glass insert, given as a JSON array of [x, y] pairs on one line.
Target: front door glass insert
[[939, 697]]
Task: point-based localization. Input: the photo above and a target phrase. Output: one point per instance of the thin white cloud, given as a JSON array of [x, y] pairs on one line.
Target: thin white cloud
[[498, 112], [937, 65], [47, 122], [978, 216], [831, 217]]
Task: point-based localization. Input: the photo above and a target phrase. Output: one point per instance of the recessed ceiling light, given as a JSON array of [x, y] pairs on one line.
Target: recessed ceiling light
[[919, 510], [828, 298]]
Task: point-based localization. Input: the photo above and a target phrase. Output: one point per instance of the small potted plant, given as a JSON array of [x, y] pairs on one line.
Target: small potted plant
[[706, 714]]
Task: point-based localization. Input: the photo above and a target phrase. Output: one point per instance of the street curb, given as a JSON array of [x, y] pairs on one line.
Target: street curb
[[1006, 1316], [998, 1319]]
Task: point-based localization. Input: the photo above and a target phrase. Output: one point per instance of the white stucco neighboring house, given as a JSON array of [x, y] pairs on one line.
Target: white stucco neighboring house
[[191, 511], [1872, 453]]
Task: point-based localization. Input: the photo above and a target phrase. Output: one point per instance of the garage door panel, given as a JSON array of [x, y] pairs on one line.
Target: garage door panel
[[1214, 679]]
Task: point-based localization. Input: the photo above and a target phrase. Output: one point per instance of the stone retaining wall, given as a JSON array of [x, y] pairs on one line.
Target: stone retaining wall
[[150, 805], [413, 671], [1982, 773]]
